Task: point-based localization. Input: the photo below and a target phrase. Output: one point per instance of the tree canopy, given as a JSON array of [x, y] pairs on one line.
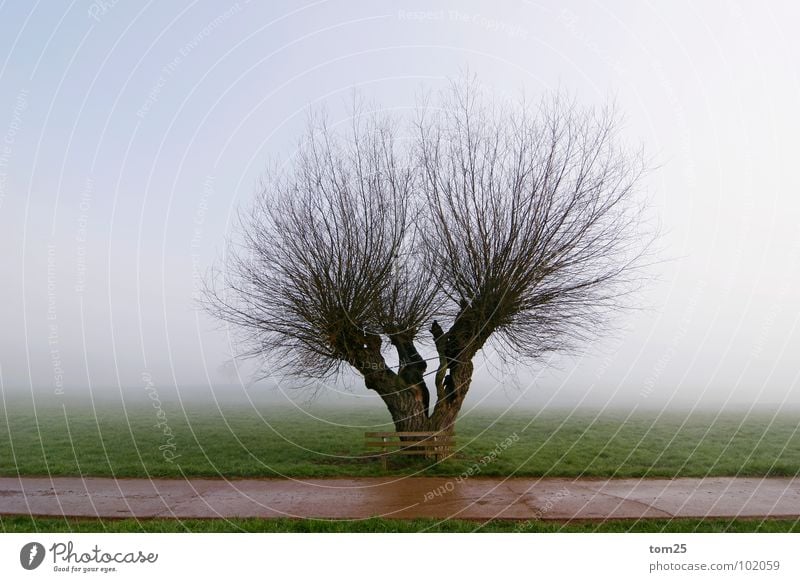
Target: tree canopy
[[472, 222]]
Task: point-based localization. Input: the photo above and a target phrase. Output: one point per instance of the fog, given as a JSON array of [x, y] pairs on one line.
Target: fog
[[130, 134]]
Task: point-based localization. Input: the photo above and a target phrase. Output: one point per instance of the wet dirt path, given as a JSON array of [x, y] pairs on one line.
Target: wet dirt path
[[404, 498]]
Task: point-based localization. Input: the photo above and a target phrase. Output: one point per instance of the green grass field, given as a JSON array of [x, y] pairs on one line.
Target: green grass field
[[276, 441], [27, 524], [235, 441]]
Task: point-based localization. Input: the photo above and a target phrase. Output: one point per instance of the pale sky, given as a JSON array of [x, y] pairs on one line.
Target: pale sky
[[130, 132]]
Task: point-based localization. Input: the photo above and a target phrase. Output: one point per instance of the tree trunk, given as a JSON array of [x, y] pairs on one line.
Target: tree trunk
[[404, 401], [406, 394], [456, 385], [408, 407]]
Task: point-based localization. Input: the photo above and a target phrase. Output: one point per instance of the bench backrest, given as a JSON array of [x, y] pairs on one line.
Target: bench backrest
[[412, 442]]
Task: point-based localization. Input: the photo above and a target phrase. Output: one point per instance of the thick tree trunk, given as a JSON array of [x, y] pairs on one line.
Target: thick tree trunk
[[408, 408], [404, 401], [456, 385], [406, 394]]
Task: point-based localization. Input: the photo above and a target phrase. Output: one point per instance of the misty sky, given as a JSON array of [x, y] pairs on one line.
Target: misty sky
[[130, 132]]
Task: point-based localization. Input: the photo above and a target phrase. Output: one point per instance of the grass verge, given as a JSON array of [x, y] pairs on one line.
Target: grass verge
[[52, 525]]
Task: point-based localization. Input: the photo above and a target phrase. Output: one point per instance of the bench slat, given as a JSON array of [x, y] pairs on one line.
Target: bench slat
[[405, 434], [407, 452], [416, 445]]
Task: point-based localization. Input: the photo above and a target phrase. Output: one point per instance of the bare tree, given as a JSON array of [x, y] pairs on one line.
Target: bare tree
[[514, 224]]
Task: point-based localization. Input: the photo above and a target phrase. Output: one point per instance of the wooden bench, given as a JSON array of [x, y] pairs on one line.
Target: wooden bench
[[437, 445]]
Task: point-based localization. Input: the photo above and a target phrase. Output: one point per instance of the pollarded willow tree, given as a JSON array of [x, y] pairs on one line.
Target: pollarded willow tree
[[483, 224]]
